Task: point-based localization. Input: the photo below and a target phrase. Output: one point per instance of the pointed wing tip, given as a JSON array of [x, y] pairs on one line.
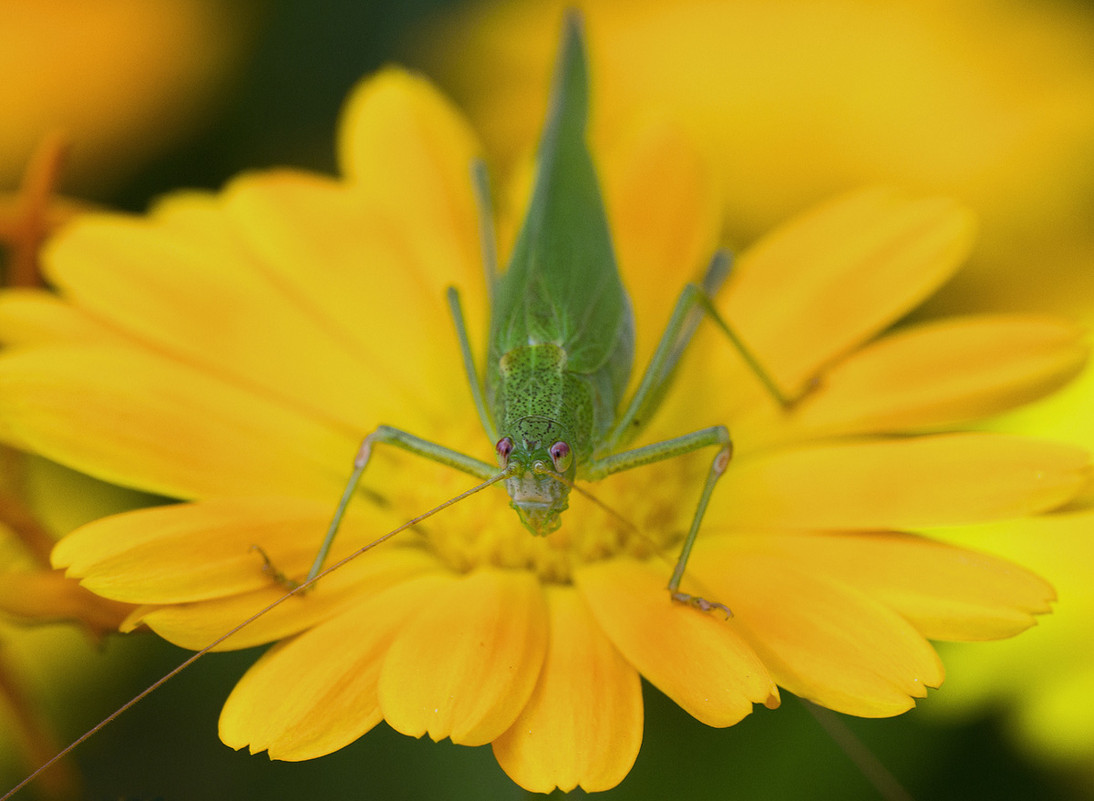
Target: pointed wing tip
[[570, 89], [573, 23], [573, 53]]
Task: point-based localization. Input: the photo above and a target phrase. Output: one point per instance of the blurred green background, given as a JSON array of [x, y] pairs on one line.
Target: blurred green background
[[291, 63]]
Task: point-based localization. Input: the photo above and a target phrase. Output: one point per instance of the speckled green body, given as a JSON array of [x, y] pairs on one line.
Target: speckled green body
[[542, 401], [562, 334]]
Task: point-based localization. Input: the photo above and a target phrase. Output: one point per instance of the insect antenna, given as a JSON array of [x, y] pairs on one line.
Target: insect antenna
[[194, 657], [580, 490], [656, 548], [867, 762]]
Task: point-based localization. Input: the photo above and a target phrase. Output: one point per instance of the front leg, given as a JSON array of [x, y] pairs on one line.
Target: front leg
[[388, 436], [667, 449]]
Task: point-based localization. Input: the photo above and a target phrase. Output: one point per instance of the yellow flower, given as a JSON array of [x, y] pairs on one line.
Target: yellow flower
[[123, 79], [231, 349], [40, 648]]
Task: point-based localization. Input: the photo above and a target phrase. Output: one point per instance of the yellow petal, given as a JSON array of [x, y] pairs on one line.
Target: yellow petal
[[204, 550], [406, 148], [948, 479], [332, 670], [1060, 548], [665, 217], [699, 660], [465, 666], [136, 419], [195, 625], [41, 596], [947, 593], [583, 723], [30, 316], [941, 373], [821, 639], [198, 561], [210, 301], [831, 278], [359, 272]]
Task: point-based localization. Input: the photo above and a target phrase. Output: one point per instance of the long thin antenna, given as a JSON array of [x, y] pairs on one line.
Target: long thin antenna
[[582, 491], [872, 768], [655, 549], [198, 654], [488, 239]]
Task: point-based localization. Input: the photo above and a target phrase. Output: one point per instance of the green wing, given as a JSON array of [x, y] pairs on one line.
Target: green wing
[[562, 285]]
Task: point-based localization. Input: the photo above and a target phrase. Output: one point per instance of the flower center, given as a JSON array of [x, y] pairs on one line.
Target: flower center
[[635, 514]]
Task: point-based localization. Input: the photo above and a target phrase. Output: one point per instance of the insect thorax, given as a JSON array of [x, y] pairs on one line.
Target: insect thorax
[[539, 401]]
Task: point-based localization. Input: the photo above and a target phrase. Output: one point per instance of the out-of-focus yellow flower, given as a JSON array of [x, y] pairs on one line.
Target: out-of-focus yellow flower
[[231, 349], [122, 79], [988, 101], [32, 212], [1045, 685], [50, 627]]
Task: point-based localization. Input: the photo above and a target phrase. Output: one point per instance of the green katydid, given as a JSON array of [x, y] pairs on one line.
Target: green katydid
[[561, 344]]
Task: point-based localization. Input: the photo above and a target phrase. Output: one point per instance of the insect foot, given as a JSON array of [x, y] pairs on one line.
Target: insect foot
[[702, 604], [270, 570]]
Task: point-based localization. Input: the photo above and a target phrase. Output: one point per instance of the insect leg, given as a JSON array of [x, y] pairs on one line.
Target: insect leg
[[667, 449], [784, 400], [488, 242], [658, 374], [693, 303], [408, 442], [487, 237], [473, 380]]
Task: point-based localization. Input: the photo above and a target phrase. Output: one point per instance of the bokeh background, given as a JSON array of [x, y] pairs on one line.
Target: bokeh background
[[991, 101]]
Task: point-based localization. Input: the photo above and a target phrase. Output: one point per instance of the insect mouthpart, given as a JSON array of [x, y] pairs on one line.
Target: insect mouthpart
[[538, 496], [538, 517]]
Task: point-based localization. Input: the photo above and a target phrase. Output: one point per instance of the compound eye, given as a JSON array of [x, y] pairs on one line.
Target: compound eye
[[504, 448], [560, 456]]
